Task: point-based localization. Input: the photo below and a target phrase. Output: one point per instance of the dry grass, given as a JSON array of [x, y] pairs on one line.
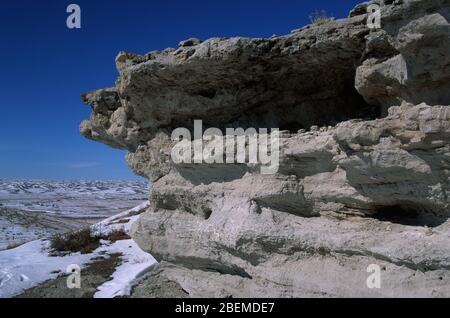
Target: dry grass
[[116, 235], [14, 245], [84, 241], [320, 17], [78, 241]]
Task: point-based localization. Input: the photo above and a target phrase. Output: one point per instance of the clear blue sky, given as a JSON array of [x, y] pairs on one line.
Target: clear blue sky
[[45, 67]]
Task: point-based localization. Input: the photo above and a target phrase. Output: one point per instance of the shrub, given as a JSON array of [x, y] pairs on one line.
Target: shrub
[[78, 241], [84, 241]]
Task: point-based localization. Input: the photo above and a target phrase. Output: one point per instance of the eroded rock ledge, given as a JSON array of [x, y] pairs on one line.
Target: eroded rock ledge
[[364, 172]]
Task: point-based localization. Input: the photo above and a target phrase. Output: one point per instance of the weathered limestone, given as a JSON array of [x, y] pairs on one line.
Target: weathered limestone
[[409, 59], [364, 173]]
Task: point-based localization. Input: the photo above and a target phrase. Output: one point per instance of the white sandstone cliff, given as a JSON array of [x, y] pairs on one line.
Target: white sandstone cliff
[[372, 186]]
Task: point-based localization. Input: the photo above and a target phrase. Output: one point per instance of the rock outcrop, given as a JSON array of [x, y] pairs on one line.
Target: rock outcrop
[[408, 60], [364, 171]]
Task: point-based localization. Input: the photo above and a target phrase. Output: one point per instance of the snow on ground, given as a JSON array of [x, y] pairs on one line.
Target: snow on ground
[[18, 227], [72, 199], [117, 222], [135, 262], [30, 265], [32, 210]]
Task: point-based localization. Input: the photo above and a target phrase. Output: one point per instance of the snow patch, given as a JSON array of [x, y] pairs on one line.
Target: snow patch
[[135, 263], [30, 265]]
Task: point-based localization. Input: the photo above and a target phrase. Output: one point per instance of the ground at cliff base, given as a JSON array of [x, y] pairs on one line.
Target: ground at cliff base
[[109, 271]]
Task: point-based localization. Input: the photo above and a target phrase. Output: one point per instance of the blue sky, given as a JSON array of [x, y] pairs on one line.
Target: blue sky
[[45, 67]]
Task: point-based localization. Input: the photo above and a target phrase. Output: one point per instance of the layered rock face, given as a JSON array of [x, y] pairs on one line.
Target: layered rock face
[[364, 174]]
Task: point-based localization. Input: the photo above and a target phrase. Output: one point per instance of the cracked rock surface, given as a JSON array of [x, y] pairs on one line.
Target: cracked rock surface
[[364, 174]]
